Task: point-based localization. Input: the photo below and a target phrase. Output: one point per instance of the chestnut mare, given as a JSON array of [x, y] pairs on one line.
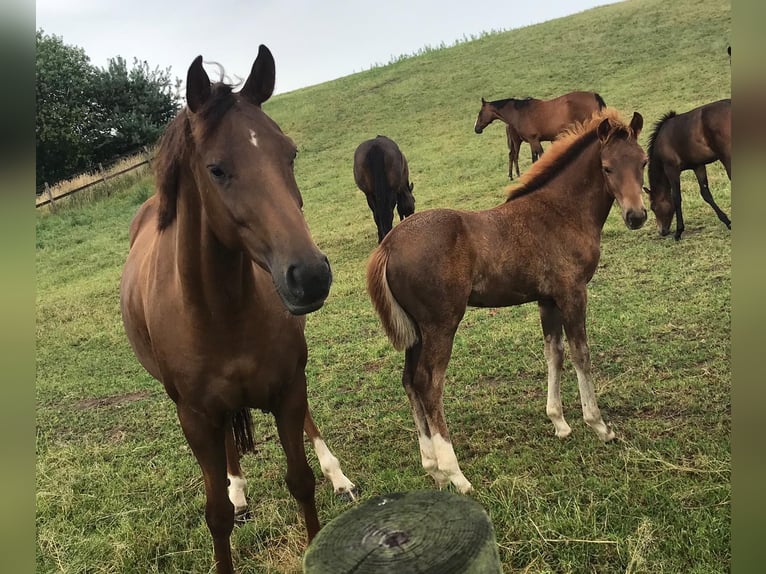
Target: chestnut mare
[[532, 120], [221, 268], [382, 173], [542, 244], [687, 141]]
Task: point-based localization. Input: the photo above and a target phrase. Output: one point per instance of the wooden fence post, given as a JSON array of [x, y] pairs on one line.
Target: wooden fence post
[[148, 157], [103, 177], [50, 196]]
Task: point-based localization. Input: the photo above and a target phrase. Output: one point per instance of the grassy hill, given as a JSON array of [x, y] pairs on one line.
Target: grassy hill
[[119, 491]]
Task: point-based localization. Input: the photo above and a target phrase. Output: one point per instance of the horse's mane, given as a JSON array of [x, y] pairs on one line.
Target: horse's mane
[[517, 102], [656, 131], [177, 141], [567, 146]]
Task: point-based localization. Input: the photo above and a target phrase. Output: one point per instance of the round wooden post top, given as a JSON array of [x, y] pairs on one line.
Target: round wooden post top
[[426, 531]]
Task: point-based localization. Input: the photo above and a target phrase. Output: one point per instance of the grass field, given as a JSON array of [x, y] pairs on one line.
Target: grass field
[[119, 491]]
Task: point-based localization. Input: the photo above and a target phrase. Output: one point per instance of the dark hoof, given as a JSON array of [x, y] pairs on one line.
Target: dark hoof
[[349, 495], [242, 517]]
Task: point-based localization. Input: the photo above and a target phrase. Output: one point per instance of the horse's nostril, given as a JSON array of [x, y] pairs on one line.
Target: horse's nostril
[[294, 282]]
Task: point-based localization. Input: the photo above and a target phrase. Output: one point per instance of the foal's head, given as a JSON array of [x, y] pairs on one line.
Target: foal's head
[[242, 167], [622, 165]]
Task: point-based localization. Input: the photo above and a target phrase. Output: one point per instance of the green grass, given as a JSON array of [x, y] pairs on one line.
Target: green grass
[[119, 491]]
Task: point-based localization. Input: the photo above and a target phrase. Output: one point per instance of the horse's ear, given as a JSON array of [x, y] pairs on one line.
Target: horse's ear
[[483, 101], [647, 190], [636, 124], [260, 84], [197, 85], [603, 130], [411, 186]]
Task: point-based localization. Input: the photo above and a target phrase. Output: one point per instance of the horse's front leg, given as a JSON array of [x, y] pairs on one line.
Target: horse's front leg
[[329, 464], [206, 437], [674, 177], [573, 315], [290, 417], [550, 318]]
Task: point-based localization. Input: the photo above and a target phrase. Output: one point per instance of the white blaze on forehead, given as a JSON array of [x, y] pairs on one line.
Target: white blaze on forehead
[[253, 139]]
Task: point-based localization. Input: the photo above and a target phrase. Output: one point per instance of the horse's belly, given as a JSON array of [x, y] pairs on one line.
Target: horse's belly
[[499, 299]]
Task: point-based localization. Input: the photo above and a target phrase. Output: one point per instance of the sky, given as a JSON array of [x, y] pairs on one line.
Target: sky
[[312, 41]]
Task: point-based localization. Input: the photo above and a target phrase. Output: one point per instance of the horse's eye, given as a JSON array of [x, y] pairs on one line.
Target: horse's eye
[[216, 172], [606, 169]]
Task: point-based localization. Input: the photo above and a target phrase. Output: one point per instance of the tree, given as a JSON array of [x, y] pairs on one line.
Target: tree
[[133, 106], [64, 79], [87, 115]]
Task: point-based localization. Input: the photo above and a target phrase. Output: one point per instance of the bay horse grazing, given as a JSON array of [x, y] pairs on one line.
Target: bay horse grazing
[[382, 173], [220, 271], [542, 244], [687, 141], [535, 121]]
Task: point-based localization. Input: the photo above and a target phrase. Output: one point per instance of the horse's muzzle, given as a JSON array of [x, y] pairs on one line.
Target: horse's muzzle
[[306, 286], [635, 218], [477, 129]]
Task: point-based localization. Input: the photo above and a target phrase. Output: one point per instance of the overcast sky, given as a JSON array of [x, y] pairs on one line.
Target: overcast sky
[[312, 41]]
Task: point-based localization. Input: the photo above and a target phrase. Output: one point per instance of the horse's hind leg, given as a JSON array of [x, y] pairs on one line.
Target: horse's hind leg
[[329, 464], [550, 318], [428, 383], [207, 440], [701, 172], [290, 417], [427, 454], [573, 314], [236, 479]]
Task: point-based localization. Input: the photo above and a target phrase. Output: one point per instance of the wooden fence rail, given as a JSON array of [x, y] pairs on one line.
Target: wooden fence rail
[[49, 197]]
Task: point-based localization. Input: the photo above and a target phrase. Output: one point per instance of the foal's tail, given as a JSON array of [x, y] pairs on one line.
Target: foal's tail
[[397, 323], [242, 423]]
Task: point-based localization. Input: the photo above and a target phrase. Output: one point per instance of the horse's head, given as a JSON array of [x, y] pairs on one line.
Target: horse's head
[[242, 164], [661, 204], [622, 165], [486, 116]]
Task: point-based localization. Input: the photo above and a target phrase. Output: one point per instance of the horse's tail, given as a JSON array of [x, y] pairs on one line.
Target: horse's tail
[[242, 424], [600, 101], [376, 165], [396, 322]]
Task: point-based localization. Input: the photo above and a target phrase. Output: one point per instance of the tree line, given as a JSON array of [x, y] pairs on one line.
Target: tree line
[[88, 115]]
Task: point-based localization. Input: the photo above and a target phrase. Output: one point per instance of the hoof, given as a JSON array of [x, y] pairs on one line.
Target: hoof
[[610, 436], [349, 495], [563, 433], [243, 516]]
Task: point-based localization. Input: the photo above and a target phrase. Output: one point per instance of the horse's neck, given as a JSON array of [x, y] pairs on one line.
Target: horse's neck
[[209, 273], [657, 178]]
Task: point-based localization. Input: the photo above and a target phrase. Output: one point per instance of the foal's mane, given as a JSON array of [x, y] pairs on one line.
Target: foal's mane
[[177, 142], [566, 148]]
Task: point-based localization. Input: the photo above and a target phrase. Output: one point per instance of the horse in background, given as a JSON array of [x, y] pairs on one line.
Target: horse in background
[[382, 173], [535, 121], [220, 272], [542, 244], [687, 141]]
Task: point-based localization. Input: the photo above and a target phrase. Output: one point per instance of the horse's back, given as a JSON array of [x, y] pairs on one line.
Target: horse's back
[[697, 137]]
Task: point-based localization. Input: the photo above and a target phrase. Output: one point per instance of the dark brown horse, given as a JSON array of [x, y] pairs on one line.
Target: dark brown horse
[[221, 268], [382, 173], [542, 244], [534, 121], [687, 141]]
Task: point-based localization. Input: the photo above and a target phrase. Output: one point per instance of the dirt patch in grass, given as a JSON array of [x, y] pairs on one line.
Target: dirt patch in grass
[[114, 400]]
